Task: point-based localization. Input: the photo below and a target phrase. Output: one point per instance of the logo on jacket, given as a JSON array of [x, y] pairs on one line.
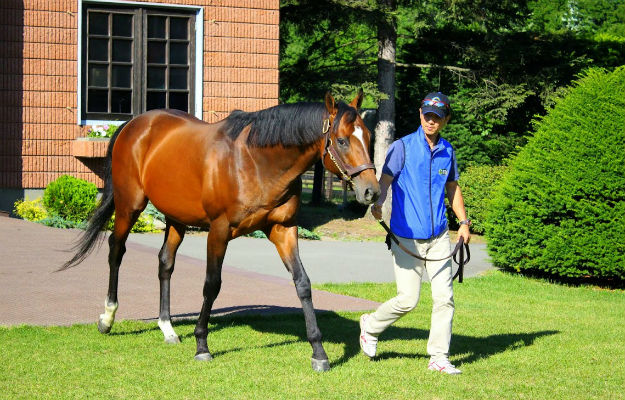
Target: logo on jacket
[[443, 172]]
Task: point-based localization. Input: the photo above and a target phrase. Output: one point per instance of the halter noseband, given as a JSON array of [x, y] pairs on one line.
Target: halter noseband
[[347, 171]]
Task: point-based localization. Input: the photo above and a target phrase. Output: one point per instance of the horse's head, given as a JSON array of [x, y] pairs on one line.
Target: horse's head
[[346, 148]]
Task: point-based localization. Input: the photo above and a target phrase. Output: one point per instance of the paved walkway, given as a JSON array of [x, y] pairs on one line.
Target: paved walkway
[[254, 278]]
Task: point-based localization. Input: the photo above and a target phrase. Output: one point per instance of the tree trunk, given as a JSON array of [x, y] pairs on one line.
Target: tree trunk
[[385, 128]]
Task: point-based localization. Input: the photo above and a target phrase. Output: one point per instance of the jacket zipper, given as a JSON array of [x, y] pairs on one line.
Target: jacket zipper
[[430, 189]]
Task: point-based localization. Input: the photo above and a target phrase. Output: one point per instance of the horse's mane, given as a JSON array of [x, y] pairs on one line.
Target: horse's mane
[[296, 124]]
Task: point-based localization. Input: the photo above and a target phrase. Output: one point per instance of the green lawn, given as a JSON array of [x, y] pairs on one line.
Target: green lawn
[[514, 338]]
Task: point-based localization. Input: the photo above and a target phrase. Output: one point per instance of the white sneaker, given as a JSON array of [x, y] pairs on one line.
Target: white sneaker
[[444, 366], [368, 343]]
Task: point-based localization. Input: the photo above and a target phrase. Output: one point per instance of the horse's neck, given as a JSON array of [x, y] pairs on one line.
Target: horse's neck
[[284, 165]]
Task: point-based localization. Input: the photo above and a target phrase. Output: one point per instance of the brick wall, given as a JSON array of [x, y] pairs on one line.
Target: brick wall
[[38, 79]]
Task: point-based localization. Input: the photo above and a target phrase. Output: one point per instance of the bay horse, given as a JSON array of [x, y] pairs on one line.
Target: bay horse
[[234, 176]]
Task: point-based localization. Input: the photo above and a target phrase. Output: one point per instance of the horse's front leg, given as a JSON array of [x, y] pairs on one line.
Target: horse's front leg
[[174, 233], [285, 240], [215, 250]]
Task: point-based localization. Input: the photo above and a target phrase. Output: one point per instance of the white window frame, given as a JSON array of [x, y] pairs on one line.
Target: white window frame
[[199, 52]]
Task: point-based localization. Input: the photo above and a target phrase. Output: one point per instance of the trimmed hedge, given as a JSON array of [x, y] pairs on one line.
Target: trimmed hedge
[[560, 209], [70, 198], [478, 183]]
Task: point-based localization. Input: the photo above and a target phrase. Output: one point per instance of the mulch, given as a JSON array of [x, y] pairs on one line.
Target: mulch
[[34, 293]]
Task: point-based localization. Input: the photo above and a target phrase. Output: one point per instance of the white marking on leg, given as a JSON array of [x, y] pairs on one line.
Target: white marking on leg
[[109, 313], [168, 330]]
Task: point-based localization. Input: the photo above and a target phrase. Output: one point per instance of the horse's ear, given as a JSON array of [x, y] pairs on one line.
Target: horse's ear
[[357, 102], [330, 104]]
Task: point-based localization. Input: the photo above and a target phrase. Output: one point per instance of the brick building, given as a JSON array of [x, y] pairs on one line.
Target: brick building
[[67, 65]]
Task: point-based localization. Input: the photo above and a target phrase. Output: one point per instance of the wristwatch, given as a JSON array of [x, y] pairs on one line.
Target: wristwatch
[[465, 222]]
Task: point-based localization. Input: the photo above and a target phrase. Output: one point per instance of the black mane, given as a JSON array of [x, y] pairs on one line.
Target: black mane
[[295, 124]]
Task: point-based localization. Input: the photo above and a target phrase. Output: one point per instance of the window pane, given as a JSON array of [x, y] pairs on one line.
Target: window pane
[[98, 49], [121, 76], [178, 53], [178, 78], [97, 100], [156, 52], [122, 25], [155, 100], [178, 28], [98, 24], [156, 27], [156, 77], [98, 75], [122, 50], [179, 101], [121, 101]]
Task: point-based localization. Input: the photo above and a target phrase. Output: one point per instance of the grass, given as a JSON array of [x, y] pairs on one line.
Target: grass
[[514, 338]]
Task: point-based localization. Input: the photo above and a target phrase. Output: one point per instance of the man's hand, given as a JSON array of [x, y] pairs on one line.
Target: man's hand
[[376, 211], [463, 232]]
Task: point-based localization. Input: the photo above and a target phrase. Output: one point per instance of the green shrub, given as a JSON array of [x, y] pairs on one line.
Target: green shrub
[[560, 209], [144, 224], [477, 184], [70, 198], [30, 210], [56, 221], [306, 234], [302, 233]]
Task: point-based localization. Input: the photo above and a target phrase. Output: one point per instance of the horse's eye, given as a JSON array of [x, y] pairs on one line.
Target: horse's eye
[[341, 141]]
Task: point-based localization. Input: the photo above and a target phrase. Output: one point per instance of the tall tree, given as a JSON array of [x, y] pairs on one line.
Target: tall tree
[[387, 46]]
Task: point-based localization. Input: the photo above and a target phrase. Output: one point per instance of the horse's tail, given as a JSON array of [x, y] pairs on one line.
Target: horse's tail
[[101, 215]]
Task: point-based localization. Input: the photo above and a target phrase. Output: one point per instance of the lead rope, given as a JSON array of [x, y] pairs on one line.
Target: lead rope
[[460, 247]]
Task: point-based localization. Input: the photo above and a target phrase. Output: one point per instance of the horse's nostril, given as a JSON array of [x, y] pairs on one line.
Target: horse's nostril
[[368, 194]]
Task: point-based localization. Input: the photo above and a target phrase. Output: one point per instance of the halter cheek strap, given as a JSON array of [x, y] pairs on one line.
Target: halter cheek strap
[[346, 171]]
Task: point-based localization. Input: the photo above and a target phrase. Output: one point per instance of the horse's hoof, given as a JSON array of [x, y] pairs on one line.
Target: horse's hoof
[[203, 357], [320, 365], [103, 328], [172, 339]]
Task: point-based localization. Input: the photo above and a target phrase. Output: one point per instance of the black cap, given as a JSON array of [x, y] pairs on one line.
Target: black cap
[[436, 103]]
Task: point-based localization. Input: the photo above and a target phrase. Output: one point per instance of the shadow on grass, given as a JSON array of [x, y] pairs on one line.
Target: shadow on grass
[[339, 330]]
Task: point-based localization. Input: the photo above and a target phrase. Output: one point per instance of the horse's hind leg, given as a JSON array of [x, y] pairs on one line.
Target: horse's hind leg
[[285, 240], [174, 233], [124, 221], [217, 243]]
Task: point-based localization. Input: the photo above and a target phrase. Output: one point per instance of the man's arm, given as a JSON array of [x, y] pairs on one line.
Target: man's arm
[[454, 195], [385, 182]]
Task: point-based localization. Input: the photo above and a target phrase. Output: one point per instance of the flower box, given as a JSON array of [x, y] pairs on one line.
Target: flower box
[[88, 147]]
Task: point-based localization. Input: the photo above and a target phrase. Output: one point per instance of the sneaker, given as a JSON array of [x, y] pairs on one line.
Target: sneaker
[[444, 366], [368, 343]]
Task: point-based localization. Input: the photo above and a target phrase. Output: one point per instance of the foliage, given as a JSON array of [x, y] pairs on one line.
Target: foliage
[[501, 62], [478, 184], [30, 210], [560, 209], [302, 233], [153, 212], [68, 202], [56, 221], [145, 224], [70, 198], [102, 131], [509, 333]]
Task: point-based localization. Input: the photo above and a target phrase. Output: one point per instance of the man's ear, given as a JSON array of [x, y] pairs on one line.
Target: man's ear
[[330, 104]]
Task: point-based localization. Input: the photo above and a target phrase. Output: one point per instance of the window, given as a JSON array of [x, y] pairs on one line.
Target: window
[[135, 60]]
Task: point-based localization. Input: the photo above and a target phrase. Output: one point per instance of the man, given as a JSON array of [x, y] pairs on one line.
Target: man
[[421, 167]]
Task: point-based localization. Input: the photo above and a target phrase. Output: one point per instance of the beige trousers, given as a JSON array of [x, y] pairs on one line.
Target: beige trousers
[[408, 276]]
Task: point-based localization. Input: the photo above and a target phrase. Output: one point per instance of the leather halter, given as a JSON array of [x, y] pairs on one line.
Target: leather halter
[[346, 171]]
